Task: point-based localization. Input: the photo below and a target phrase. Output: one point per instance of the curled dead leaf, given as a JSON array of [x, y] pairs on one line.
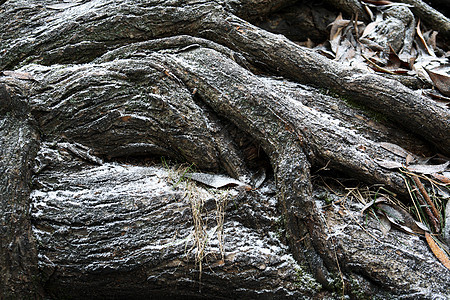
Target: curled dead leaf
[[423, 43], [401, 218], [440, 81]]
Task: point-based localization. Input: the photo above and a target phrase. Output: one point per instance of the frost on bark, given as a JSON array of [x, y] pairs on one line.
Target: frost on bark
[[94, 92]]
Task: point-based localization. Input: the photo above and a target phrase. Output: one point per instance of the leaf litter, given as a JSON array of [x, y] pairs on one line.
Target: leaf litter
[[427, 214], [370, 46]]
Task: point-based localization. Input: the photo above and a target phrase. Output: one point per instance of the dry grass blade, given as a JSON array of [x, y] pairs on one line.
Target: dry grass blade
[[441, 256], [200, 234]]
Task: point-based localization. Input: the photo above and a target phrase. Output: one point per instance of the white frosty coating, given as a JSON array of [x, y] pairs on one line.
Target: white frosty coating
[[104, 170], [337, 230], [138, 117], [95, 189]]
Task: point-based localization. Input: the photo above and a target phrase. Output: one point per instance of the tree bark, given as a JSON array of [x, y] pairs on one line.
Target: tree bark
[[19, 142], [100, 87]]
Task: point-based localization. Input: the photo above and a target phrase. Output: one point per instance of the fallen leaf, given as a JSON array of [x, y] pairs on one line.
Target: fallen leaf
[[401, 218], [371, 44], [428, 169], [436, 96], [389, 164], [440, 81], [377, 67], [336, 26], [422, 40], [437, 251], [370, 28], [430, 37], [441, 178], [396, 149], [217, 181], [395, 63]]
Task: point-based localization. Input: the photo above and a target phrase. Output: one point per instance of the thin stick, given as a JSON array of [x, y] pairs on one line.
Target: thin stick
[[426, 196], [427, 210]]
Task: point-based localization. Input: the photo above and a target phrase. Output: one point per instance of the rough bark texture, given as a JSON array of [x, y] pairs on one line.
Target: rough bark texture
[[18, 146], [100, 87]]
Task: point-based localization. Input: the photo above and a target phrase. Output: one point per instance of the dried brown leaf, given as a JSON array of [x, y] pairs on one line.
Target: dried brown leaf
[[371, 44], [376, 67], [394, 61], [370, 28], [440, 81], [431, 39], [437, 251], [441, 178], [422, 40], [336, 26]]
